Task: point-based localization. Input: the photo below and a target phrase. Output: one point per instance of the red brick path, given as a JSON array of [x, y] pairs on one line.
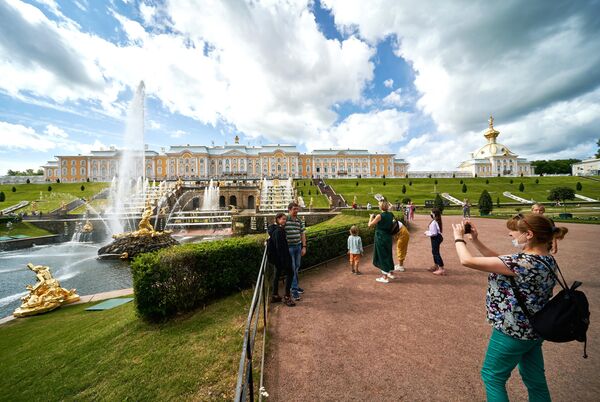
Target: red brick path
[[422, 337]]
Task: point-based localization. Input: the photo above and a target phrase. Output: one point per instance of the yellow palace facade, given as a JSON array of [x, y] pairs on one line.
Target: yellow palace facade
[[198, 162]]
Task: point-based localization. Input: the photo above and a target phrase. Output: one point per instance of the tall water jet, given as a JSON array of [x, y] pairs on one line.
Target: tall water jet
[[211, 197], [131, 161]]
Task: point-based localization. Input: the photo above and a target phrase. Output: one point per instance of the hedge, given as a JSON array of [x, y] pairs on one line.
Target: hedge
[[185, 277]]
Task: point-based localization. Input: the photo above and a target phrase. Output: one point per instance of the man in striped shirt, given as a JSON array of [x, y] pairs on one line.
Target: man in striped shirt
[[294, 230]]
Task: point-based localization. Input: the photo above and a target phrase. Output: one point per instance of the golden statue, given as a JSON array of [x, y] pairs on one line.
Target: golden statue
[[179, 183], [45, 295], [330, 200], [88, 227]]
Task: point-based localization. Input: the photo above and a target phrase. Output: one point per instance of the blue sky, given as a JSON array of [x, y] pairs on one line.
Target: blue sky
[[417, 80]]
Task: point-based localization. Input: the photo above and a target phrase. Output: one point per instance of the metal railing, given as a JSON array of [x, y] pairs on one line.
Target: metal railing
[[245, 382]]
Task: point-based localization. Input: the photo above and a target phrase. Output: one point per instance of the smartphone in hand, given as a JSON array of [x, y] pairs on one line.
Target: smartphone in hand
[[467, 228]]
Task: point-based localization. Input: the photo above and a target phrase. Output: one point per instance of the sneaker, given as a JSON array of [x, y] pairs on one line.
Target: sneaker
[[358, 273], [296, 296], [382, 280], [300, 290], [288, 301], [398, 268], [275, 299], [390, 276]]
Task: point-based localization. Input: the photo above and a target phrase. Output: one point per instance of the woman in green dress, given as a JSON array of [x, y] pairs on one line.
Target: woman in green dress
[[382, 253]]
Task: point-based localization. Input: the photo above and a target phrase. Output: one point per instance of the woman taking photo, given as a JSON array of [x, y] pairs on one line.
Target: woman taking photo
[[382, 253], [435, 234], [513, 341]]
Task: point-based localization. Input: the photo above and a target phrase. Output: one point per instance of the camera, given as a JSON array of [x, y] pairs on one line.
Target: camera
[[467, 228]]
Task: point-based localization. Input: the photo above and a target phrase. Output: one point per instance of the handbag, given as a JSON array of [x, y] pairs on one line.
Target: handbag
[[565, 318]]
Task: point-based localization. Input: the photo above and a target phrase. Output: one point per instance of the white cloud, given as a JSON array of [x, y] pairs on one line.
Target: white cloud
[[388, 83], [394, 98], [55, 132], [154, 125], [178, 134], [374, 131]]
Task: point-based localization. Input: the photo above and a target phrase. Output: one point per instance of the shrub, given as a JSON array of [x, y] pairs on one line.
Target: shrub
[[88, 180], [498, 202], [28, 181], [475, 174], [461, 182], [58, 180], [14, 189], [464, 188], [406, 200], [384, 183], [82, 187], [487, 181], [485, 203], [2, 196], [309, 192], [383, 177], [578, 187], [410, 183], [406, 176], [356, 184], [403, 189], [49, 188], [521, 187], [511, 181], [435, 182], [537, 181], [561, 194], [498, 174], [453, 175], [438, 202]]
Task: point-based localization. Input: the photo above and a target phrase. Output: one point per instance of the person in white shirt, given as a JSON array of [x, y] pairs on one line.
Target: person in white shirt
[[355, 249], [435, 234]]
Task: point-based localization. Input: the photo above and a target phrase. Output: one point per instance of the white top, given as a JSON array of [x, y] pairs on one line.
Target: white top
[[355, 244], [434, 229]]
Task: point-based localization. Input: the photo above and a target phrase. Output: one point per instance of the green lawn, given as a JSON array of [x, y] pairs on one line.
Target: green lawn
[[306, 186], [48, 200], [425, 189], [76, 355], [23, 228]]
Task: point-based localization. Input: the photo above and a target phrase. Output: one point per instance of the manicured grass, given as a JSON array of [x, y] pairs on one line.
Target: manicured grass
[[75, 355], [50, 200], [304, 186], [23, 228], [425, 189], [336, 221]]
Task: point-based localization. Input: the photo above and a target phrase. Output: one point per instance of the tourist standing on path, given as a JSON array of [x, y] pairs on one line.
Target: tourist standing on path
[[466, 208], [513, 341], [411, 211], [355, 249], [435, 234], [279, 255], [382, 253], [294, 230], [401, 246]]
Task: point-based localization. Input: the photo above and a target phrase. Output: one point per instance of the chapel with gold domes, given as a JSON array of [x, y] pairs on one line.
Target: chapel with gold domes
[[495, 159]]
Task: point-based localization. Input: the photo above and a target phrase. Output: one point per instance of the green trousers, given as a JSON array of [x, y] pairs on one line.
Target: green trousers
[[503, 354]]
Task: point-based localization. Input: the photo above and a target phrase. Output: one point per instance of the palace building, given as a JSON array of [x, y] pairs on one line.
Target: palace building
[[199, 162], [495, 159]]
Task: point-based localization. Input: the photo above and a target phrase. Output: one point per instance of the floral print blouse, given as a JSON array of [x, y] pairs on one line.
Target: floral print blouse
[[535, 283]]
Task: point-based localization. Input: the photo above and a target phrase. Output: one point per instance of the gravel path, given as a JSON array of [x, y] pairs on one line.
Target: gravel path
[[420, 337]]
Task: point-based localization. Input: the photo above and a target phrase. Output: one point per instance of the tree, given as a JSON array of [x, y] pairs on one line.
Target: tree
[[88, 180], [559, 194], [485, 203], [14, 189], [308, 192], [537, 181], [403, 189], [461, 182], [475, 174], [406, 176], [28, 181], [521, 187], [464, 188], [435, 182], [58, 180], [438, 202], [487, 181], [2, 196], [410, 183], [598, 153], [384, 183], [511, 181], [578, 187], [383, 177], [498, 202], [453, 175], [356, 184], [558, 166], [82, 187], [49, 188], [429, 175]]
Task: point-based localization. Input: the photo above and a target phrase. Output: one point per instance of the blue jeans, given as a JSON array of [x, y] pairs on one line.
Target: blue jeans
[[296, 253], [436, 241], [503, 354]]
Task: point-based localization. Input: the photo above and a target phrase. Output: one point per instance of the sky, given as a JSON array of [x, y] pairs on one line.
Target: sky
[[412, 78]]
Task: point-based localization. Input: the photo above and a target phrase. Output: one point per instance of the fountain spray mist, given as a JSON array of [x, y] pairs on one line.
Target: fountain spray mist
[[131, 162]]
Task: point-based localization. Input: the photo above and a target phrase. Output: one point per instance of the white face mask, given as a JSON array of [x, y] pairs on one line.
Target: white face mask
[[516, 244]]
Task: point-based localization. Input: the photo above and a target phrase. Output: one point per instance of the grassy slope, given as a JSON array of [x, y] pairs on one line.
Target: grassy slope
[[61, 192], [23, 228], [423, 189], [336, 221], [319, 200], [72, 354]]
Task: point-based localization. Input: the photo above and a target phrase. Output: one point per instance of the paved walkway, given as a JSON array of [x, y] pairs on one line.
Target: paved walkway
[[422, 337]]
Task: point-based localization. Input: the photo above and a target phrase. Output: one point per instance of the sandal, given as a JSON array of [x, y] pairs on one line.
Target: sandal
[[287, 300]]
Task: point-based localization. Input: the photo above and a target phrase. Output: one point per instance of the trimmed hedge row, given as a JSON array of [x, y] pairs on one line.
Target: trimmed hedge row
[[184, 277]]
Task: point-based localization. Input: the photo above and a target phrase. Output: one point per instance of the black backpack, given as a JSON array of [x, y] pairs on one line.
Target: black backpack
[[565, 318], [395, 226]]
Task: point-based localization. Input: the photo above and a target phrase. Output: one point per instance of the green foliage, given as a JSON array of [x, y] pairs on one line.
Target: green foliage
[[511, 181], [2, 196], [28, 172], [521, 187], [49, 188], [475, 174], [14, 189], [498, 202], [435, 182], [403, 189], [82, 187], [485, 203], [406, 200], [461, 181], [578, 187], [58, 180], [356, 184], [561, 194], [410, 183], [309, 192], [558, 166], [438, 202], [537, 181], [453, 175], [384, 183], [487, 181], [464, 188], [598, 153], [28, 181]]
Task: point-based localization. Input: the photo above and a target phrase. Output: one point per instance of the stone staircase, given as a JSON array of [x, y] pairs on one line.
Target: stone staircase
[[336, 199]]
